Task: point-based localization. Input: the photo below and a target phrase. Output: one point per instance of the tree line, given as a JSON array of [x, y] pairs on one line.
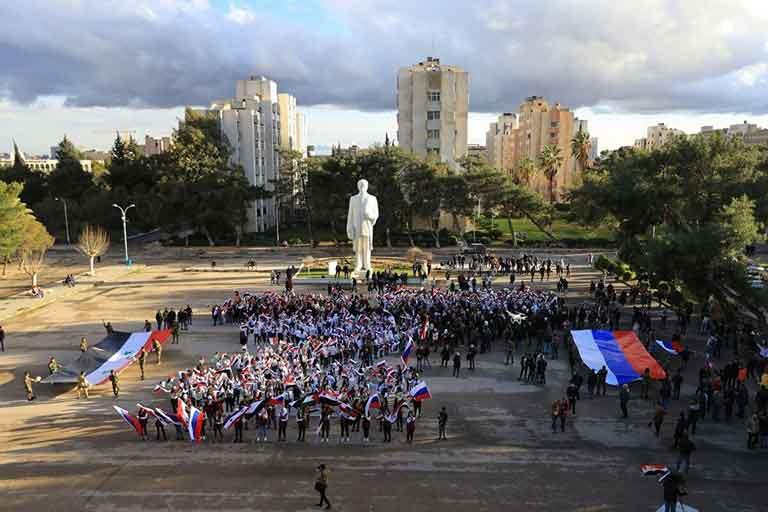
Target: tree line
[[684, 213]]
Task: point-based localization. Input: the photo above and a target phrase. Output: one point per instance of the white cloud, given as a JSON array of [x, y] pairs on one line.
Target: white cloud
[[241, 15]]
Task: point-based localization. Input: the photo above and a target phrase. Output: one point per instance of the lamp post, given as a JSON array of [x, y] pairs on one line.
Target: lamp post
[[123, 211], [66, 216]]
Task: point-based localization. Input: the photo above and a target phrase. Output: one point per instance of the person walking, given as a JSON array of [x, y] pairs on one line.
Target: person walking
[[672, 484], [753, 431], [624, 400], [2, 338], [83, 344], [82, 385], [321, 485], [456, 364], [28, 381], [658, 419], [685, 448], [158, 349], [442, 420], [115, 381], [142, 358]]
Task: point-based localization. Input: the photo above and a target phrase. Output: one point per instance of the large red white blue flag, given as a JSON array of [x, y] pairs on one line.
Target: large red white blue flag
[[373, 402], [620, 352]]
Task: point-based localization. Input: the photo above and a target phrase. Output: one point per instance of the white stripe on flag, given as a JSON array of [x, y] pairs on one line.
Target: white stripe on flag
[[120, 358], [591, 354]]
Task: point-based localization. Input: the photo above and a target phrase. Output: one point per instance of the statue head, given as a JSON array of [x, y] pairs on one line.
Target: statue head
[[362, 186]]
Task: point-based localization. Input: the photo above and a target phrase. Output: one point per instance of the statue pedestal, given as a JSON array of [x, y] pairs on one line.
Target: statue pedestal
[[359, 275]]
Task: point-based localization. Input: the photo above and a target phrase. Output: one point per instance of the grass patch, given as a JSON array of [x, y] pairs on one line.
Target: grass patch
[[560, 227]]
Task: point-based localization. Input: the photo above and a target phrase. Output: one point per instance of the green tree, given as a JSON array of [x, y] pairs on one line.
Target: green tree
[[580, 146], [69, 179], [737, 219], [551, 159], [12, 221], [35, 183], [330, 191], [524, 172]]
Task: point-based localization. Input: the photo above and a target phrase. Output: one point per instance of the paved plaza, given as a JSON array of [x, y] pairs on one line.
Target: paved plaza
[[61, 453]]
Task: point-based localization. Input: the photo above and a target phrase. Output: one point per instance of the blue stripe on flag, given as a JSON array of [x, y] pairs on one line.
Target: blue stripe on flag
[[614, 357]]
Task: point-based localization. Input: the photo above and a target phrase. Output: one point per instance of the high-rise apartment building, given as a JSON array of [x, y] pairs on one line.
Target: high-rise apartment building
[[657, 136], [156, 145], [500, 142], [292, 124], [523, 135], [251, 124], [432, 108]]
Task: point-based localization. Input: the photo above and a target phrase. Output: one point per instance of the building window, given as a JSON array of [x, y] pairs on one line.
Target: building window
[[433, 95], [433, 115], [433, 134]]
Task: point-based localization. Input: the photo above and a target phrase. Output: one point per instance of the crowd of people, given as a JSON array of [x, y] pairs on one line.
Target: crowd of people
[[325, 355]]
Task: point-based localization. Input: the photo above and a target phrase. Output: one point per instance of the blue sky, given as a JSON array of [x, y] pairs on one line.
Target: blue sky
[[106, 65]]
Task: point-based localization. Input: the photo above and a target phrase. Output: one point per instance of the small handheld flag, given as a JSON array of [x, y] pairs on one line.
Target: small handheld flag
[[407, 352], [131, 420], [420, 392]]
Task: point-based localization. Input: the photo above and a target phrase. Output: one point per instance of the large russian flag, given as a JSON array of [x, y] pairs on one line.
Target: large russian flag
[[420, 392], [621, 352]]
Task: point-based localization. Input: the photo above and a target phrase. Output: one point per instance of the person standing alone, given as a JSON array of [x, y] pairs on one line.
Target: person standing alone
[[321, 485]]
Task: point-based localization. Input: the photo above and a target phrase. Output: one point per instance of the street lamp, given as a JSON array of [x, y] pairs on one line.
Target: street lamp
[[66, 217], [123, 211]]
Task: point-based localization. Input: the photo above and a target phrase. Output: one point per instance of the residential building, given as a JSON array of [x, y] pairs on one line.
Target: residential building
[[38, 163], [500, 142], [155, 146], [594, 152], [749, 133], [432, 109], [251, 123], [657, 136], [292, 125], [517, 136]]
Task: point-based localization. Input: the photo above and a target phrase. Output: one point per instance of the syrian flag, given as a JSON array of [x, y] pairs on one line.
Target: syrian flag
[[653, 469], [373, 403], [168, 419], [131, 420], [232, 419], [349, 411], [420, 392], [255, 407], [670, 347], [195, 425], [328, 398], [407, 352], [308, 399]]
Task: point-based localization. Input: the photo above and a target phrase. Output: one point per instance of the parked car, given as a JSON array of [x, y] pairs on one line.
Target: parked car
[[473, 248]]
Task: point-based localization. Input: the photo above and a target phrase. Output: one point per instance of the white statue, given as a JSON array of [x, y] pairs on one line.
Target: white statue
[[363, 213]]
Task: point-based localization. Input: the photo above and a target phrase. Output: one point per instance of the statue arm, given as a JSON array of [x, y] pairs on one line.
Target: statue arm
[[372, 210], [350, 221]]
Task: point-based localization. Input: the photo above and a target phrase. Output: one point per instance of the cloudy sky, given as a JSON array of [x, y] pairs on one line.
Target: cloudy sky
[[89, 67]]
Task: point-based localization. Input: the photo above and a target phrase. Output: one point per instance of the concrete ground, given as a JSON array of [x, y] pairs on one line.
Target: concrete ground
[[60, 453]]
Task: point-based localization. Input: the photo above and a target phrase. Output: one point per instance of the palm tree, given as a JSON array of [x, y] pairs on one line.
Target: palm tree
[[580, 146], [524, 172], [551, 158]]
